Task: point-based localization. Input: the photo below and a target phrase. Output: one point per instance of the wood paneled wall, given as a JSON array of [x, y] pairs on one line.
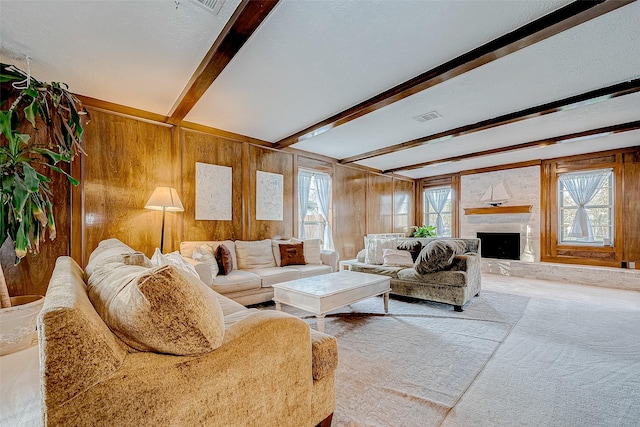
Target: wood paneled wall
[[379, 203], [128, 157], [350, 210], [272, 161], [205, 148]]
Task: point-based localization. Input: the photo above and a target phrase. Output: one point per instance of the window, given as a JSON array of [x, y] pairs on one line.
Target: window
[[437, 210], [314, 207], [585, 201]]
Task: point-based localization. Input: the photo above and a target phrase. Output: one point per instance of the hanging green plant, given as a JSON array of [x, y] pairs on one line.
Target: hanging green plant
[[41, 128]]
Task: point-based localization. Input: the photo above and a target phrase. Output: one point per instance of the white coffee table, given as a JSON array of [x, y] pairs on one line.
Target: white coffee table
[[322, 294]]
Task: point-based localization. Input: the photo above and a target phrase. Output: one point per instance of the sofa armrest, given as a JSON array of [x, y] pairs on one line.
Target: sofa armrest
[[261, 375], [324, 350], [330, 258]]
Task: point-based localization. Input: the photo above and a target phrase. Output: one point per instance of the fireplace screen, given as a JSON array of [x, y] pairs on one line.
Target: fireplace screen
[[500, 245]]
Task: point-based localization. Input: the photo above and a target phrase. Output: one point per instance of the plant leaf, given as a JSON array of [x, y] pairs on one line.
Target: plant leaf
[[30, 177], [21, 241], [31, 111], [20, 195], [5, 125], [71, 179]]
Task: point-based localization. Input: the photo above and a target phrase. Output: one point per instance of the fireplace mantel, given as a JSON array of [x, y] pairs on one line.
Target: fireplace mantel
[[495, 210]]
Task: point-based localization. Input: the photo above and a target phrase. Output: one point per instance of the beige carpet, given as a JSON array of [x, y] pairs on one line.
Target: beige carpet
[[409, 367], [507, 360]]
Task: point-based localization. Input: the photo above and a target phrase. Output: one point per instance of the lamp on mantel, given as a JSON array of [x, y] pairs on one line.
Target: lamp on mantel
[[164, 199]]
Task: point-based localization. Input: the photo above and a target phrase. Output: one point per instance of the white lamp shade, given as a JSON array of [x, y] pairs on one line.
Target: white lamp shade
[[164, 198]]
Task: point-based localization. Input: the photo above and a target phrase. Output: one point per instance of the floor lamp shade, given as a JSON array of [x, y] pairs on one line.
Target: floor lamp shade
[[164, 199]]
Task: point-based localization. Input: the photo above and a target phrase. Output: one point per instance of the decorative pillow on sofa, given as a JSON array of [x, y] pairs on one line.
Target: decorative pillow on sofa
[[205, 254], [173, 258], [312, 250], [162, 309], [224, 259], [254, 254], [438, 255], [292, 254], [412, 246], [397, 258], [375, 250], [107, 250]]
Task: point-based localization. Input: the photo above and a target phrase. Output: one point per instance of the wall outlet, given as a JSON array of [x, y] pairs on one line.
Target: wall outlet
[[632, 265]]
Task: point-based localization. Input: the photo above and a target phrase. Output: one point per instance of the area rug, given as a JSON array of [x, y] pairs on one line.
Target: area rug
[[409, 367], [564, 364]]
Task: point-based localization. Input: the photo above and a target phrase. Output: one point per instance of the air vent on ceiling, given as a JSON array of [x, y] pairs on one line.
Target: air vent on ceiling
[[212, 6], [431, 115]]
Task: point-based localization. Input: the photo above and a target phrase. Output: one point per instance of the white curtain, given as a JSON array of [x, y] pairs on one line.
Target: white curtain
[[438, 199], [323, 189], [304, 186], [582, 187]]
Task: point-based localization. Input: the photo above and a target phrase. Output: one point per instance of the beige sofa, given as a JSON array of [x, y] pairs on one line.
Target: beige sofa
[[256, 267], [457, 284], [268, 368]]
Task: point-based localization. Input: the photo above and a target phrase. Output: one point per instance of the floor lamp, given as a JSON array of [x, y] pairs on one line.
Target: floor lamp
[[164, 199]]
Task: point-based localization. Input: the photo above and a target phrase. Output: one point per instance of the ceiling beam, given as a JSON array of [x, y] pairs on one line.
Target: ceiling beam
[[586, 98], [624, 127], [547, 26], [242, 24]]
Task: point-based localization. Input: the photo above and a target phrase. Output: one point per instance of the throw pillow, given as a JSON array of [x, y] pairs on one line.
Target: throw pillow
[[292, 254], [256, 254], [204, 254], [413, 246], [175, 259], [375, 250], [162, 309], [312, 250], [438, 255], [224, 259], [397, 258]]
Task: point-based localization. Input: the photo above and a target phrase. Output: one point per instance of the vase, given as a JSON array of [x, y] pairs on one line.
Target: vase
[[18, 323]]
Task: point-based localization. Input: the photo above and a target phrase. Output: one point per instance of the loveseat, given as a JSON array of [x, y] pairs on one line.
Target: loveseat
[[453, 282], [220, 363], [256, 266]]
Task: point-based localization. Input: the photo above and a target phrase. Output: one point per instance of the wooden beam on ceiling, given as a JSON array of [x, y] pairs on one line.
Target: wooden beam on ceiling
[[624, 127], [547, 26], [602, 94], [242, 24]]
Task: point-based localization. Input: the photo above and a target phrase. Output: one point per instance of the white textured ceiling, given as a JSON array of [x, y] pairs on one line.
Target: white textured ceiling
[[312, 59], [139, 53]]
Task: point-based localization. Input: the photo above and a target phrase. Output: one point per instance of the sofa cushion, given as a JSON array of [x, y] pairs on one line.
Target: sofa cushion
[[273, 275], [162, 309], [187, 247], [224, 258], [440, 278], [375, 250], [228, 305], [438, 255], [413, 246], [237, 281], [254, 254], [312, 250], [376, 269], [292, 254], [310, 270], [397, 258]]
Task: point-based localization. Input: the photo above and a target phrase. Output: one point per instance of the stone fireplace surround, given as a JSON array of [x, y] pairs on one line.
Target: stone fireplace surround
[[524, 186]]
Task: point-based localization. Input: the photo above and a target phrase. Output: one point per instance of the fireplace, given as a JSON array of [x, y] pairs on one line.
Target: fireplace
[[500, 245]]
